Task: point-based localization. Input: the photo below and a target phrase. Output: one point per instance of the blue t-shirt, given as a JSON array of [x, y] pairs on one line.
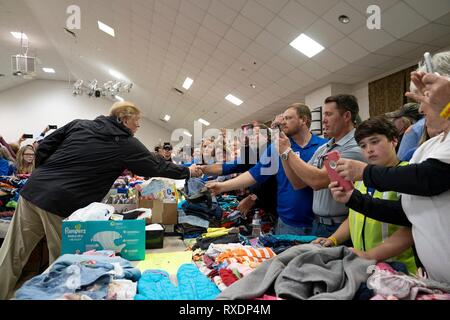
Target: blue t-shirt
[[294, 207], [6, 167], [411, 140]]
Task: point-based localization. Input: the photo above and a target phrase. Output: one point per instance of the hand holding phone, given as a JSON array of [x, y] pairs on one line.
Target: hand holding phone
[[330, 161], [428, 63], [52, 126], [27, 136]]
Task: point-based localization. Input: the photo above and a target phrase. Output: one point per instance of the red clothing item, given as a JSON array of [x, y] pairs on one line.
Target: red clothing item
[[227, 276]]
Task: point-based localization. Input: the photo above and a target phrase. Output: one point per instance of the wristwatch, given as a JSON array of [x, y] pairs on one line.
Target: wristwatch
[[284, 155]]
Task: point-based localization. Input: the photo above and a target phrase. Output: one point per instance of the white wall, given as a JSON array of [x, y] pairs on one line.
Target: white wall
[[315, 98], [361, 92], [30, 107]]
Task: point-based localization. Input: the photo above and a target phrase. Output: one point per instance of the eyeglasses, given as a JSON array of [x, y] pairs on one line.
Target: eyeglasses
[[29, 154]]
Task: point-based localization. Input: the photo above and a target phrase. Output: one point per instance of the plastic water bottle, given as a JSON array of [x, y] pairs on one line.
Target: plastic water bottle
[[256, 224]]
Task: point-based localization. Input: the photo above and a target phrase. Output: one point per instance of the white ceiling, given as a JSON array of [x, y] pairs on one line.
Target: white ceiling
[[224, 45]]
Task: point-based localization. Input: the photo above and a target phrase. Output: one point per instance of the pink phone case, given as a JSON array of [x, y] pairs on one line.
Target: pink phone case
[[330, 160]]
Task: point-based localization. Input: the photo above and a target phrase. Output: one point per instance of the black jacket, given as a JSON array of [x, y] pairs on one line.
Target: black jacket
[[78, 163]]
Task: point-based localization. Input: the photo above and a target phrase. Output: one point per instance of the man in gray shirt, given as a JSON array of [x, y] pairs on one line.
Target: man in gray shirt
[[339, 117]]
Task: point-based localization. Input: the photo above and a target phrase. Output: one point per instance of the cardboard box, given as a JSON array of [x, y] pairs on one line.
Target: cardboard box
[[126, 237], [162, 212]]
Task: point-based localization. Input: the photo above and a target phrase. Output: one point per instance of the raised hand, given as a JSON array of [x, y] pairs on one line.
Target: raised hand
[[324, 242], [215, 188], [195, 171], [283, 143], [351, 170], [338, 193], [246, 204]]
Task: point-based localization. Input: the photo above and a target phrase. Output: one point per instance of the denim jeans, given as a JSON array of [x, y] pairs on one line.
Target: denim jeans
[[323, 230], [283, 228]]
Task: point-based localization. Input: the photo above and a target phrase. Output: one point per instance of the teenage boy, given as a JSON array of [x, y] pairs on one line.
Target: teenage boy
[[371, 238]]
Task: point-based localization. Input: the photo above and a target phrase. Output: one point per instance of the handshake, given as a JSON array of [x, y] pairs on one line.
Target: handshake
[[196, 171]]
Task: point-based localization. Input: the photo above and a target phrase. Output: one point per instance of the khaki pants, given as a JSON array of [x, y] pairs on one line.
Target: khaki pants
[[28, 226]]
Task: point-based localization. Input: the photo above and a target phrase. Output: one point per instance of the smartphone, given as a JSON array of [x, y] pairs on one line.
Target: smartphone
[[52, 126], [330, 162], [27, 136], [428, 63]]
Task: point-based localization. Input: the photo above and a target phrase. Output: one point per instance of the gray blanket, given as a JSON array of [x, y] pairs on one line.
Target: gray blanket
[[304, 272]]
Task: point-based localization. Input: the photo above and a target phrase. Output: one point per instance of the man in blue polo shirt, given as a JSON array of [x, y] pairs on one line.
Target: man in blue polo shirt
[[294, 207]]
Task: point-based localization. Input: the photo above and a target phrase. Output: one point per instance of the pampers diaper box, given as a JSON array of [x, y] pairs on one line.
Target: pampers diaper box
[[126, 237]]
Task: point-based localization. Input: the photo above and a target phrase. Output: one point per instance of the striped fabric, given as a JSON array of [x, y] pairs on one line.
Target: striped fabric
[[245, 254]]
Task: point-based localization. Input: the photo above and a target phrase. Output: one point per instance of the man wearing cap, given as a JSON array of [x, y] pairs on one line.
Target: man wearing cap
[[410, 125], [167, 151]]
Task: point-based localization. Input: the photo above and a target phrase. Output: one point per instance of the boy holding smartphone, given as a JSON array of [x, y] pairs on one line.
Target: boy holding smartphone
[[373, 239]]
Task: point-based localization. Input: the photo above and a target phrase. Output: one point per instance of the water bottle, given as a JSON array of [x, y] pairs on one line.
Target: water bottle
[[256, 224]]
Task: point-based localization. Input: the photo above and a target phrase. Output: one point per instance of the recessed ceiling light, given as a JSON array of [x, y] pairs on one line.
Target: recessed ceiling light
[[344, 19], [206, 123], [187, 133], [19, 35], [166, 117], [49, 70], [119, 98], [234, 100], [188, 83], [106, 28], [309, 47], [115, 74]]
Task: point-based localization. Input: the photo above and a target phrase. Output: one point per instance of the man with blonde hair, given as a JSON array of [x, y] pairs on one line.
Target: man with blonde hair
[[75, 166]]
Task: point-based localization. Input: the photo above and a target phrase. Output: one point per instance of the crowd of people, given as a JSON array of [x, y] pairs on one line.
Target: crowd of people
[[398, 164]]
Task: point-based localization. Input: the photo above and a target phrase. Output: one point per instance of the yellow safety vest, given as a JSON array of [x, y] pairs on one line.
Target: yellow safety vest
[[367, 233]]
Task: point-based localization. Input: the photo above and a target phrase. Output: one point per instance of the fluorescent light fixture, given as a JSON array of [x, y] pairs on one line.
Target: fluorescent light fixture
[[234, 100], [19, 35], [188, 83], [206, 123], [115, 74], [187, 133], [49, 70], [119, 98], [306, 45], [166, 117], [106, 28]]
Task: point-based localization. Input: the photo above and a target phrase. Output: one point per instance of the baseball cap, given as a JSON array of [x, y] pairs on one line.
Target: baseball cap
[[167, 146], [409, 110]]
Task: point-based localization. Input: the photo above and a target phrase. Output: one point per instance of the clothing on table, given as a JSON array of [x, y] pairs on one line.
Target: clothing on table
[[246, 254], [305, 272], [386, 282], [80, 274], [192, 285], [204, 243], [202, 210], [227, 276], [281, 242]]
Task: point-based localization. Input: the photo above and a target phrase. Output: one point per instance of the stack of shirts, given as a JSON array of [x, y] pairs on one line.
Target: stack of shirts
[[225, 264], [83, 277]]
